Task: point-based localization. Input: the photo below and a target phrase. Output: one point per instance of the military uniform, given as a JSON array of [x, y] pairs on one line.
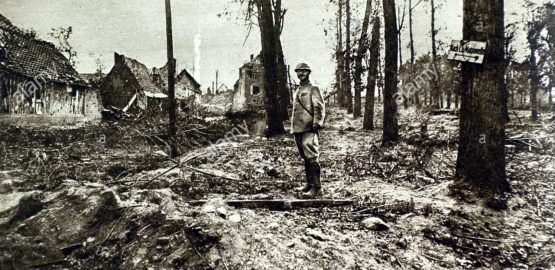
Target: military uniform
[[307, 118]]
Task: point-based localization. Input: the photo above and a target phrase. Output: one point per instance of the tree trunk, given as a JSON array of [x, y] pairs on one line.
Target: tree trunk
[[390, 126], [339, 56], [283, 90], [412, 55], [534, 79], [435, 94], [274, 122], [449, 96], [456, 100], [361, 52], [481, 152], [380, 79], [347, 68], [368, 122]]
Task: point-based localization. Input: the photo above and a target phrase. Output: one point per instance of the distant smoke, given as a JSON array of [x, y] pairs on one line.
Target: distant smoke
[[198, 43]]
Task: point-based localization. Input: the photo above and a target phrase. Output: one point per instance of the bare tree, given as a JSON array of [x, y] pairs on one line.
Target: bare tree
[[339, 56], [268, 40], [283, 89], [348, 102], [436, 94], [62, 35], [368, 122], [361, 52], [390, 125]]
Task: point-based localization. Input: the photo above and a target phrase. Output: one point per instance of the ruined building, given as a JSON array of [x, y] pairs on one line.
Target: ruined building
[[37, 79], [249, 88], [129, 86]]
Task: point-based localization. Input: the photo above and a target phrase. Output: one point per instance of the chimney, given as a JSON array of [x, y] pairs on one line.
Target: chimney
[[252, 57]]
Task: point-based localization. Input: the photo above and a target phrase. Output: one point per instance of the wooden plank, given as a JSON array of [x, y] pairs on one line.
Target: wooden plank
[[282, 204]]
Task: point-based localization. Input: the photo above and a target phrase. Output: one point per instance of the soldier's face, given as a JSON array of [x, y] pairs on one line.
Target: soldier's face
[[303, 74]]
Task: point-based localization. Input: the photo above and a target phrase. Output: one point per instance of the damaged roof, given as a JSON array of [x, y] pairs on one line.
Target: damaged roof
[[24, 54], [183, 74], [141, 73]]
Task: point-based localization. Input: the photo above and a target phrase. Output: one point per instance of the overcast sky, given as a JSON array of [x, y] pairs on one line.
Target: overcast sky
[[136, 28]]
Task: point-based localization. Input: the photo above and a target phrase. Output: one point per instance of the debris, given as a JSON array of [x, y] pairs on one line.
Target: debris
[[235, 218], [6, 186], [282, 204], [374, 224], [316, 234]]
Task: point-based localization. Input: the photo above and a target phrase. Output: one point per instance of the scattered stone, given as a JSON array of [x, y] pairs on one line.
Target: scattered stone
[[208, 208], [6, 186], [318, 235], [222, 212], [235, 218], [374, 224]]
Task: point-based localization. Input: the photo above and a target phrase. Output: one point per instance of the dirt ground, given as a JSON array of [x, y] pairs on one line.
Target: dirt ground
[[69, 200]]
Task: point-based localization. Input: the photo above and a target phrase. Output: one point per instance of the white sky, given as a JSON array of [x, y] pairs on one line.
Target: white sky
[[136, 28]]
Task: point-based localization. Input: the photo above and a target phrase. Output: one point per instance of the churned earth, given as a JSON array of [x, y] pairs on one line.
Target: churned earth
[[69, 203]]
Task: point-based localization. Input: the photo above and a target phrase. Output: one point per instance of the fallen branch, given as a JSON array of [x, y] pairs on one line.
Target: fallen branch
[[211, 174], [282, 204], [168, 170]]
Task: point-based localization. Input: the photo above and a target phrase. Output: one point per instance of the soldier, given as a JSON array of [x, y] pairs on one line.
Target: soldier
[[307, 119]]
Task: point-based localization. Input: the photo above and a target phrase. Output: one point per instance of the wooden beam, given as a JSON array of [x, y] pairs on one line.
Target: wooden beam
[[282, 204]]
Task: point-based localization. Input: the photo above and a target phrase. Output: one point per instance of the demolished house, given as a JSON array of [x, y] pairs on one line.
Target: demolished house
[[249, 88], [37, 79], [185, 84], [187, 89], [129, 86]]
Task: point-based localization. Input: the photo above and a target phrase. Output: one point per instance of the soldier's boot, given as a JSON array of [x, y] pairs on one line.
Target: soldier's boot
[[316, 190], [308, 178]]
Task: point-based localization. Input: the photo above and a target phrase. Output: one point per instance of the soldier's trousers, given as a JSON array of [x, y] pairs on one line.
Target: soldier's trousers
[[308, 145]]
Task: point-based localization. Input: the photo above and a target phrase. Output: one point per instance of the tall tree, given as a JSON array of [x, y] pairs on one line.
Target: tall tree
[[283, 89], [339, 56], [481, 152], [400, 24], [390, 125], [436, 94], [361, 52], [347, 68], [533, 35], [412, 53], [368, 122], [266, 24]]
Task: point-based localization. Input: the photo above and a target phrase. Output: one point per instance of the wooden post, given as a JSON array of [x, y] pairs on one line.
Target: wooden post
[[172, 130]]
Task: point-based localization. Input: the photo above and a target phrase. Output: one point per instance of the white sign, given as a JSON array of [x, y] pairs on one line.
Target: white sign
[[467, 51]]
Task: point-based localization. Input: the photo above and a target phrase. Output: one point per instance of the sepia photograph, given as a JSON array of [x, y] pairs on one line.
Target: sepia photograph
[[277, 134]]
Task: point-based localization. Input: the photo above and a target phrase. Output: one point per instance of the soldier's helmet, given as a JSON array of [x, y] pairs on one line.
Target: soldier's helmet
[[303, 66]]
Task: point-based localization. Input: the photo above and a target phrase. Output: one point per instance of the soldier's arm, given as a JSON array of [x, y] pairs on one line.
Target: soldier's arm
[[318, 106]]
